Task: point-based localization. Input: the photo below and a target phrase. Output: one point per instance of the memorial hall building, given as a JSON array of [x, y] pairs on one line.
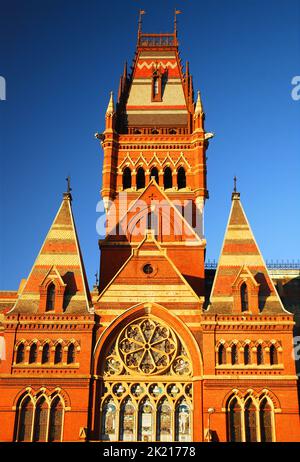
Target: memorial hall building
[[165, 347]]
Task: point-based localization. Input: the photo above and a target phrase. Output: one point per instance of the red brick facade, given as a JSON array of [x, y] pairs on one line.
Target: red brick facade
[[147, 356]]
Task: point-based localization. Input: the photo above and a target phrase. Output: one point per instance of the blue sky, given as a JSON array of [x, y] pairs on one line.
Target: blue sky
[[60, 59]]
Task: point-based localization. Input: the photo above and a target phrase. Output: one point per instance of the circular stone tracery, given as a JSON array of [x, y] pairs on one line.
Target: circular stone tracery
[[146, 346]]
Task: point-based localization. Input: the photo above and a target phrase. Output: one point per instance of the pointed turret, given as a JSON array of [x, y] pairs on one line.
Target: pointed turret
[[198, 115], [57, 282], [242, 282], [110, 107]]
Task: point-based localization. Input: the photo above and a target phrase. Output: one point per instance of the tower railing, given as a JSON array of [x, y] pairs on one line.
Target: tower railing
[[212, 264], [157, 40]]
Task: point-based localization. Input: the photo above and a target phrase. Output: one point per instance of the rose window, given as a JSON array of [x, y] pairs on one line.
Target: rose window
[[147, 347]]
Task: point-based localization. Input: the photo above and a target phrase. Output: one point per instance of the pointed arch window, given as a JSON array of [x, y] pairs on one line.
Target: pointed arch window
[[71, 354], [244, 297], [273, 355], [221, 355], [41, 420], [154, 172], [127, 178], [168, 180], [33, 354], [260, 355], [58, 354], [140, 178], [109, 421], [235, 421], [164, 422], [246, 355], [146, 424], [250, 422], [234, 354], [20, 353], [127, 421], [265, 416], [25, 420], [46, 353], [181, 178], [183, 422], [50, 303], [56, 420]]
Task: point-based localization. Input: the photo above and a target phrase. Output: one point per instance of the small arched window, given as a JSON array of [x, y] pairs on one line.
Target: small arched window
[[140, 178], [58, 354], [154, 172], [244, 297], [273, 355], [127, 178], [181, 178], [260, 355], [234, 421], [221, 355], [56, 419], [265, 417], [247, 355], [234, 355], [71, 354], [33, 353], [25, 420], [20, 353], [46, 353], [50, 304], [168, 181]]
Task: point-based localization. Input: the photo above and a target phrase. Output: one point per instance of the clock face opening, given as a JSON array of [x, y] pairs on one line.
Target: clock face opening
[[148, 269]]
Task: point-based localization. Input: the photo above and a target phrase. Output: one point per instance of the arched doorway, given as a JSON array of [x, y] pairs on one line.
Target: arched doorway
[[145, 390]]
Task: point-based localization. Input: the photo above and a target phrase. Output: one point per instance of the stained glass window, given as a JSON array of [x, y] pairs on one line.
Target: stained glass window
[[25, 420], [40, 420], [109, 421], [164, 422], [56, 420], [235, 421], [250, 421], [127, 421], [145, 421], [183, 422], [265, 415]]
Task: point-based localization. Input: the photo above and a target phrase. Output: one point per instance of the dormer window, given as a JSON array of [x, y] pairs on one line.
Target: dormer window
[[50, 304], [244, 297]]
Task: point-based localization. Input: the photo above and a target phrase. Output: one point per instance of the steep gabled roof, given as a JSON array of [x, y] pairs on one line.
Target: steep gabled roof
[[154, 196], [164, 284], [60, 254], [240, 251]]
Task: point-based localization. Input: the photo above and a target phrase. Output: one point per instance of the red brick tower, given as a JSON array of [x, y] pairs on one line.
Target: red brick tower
[[154, 147]]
